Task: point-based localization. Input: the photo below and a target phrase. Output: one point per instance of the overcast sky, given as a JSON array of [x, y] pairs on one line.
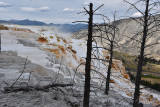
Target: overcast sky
[[59, 11]]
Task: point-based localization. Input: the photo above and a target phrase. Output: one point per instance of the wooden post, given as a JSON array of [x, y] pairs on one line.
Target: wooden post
[[88, 59]]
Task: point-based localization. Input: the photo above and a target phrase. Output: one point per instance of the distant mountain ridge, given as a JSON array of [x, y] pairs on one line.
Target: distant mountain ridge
[[64, 27]]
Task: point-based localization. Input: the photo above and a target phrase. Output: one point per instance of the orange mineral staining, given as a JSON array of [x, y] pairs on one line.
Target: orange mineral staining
[[62, 49], [51, 44], [74, 51], [107, 57], [2, 27], [21, 29], [105, 52], [150, 98], [122, 69], [81, 60], [51, 37], [126, 76], [70, 48], [42, 40], [70, 64], [74, 56], [129, 94], [64, 40], [112, 81], [58, 39], [157, 102], [55, 51]]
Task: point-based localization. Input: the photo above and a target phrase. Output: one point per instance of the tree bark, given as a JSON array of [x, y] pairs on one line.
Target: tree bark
[[111, 57], [141, 58], [88, 59], [109, 69], [0, 43]]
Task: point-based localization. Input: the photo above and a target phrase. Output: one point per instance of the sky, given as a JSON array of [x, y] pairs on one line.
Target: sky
[[61, 11]]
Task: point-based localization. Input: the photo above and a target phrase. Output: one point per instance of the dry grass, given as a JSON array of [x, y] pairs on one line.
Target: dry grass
[[154, 67], [151, 80]]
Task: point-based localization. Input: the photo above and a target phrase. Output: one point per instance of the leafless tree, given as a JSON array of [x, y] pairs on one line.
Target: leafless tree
[[89, 53], [150, 23], [0, 43], [109, 38], [88, 58]]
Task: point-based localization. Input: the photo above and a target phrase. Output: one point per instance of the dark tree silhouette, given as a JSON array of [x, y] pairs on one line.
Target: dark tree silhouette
[[141, 57], [89, 53], [0, 43], [150, 23], [88, 59], [111, 40]]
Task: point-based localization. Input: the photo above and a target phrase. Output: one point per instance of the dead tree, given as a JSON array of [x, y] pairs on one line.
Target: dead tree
[[89, 53], [150, 23], [88, 59], [140, 62], [31, 88], [109, 38], [0, 43]]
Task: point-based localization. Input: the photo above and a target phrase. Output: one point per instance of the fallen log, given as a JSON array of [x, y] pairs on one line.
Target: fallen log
[[32, 88]]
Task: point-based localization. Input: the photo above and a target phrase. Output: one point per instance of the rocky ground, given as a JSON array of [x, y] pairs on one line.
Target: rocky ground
[[12, 66]]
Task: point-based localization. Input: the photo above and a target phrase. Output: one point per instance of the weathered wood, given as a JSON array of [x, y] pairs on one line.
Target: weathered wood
[[31, 88]]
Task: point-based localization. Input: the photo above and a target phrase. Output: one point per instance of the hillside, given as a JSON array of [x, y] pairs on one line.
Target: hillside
[[128, 28]]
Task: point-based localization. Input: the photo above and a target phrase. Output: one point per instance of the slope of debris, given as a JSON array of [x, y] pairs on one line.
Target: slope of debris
[[52, 58]]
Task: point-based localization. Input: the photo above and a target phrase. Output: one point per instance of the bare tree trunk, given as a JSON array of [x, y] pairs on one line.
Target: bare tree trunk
[[109, 69], [0, 43], [88, 59], [141, 58], [111, 57]]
